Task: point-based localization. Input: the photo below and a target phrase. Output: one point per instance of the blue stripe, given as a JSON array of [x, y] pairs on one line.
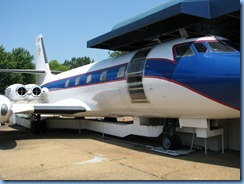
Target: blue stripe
[[111, 77]]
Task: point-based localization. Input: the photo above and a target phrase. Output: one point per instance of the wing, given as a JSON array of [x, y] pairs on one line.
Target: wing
[[46, 109], [63, 107], [70, 107]]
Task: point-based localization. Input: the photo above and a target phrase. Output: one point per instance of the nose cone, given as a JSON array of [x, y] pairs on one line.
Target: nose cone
[[213, 75], [218, 78]]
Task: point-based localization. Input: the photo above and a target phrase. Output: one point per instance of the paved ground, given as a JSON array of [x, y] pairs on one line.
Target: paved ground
[[70, 156]]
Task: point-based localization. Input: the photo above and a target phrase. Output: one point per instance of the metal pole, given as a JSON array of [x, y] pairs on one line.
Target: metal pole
[[205, 141], [223, 149], [79, 127], [103, 129]]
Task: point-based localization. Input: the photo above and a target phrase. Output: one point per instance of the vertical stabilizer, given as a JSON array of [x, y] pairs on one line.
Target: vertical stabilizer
[[41, 61]]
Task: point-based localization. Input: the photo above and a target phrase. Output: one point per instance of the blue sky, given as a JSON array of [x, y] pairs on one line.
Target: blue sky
[[66, 25]]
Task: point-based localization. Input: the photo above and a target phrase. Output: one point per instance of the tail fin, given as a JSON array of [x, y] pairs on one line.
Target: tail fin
[[41, 61], [42, 71]]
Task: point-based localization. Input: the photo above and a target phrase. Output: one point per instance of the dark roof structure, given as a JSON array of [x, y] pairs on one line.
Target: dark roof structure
[[198, 17]]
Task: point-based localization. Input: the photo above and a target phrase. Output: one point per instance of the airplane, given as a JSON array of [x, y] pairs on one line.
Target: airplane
[[188, 77]]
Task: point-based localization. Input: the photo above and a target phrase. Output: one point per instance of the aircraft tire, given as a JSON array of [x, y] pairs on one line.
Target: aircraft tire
[[168, 142], [171, 142]]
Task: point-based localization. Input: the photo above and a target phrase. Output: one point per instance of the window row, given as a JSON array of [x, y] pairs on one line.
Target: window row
[[101, 77]]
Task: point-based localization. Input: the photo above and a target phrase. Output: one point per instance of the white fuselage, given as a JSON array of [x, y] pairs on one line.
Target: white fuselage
[[111, 98]]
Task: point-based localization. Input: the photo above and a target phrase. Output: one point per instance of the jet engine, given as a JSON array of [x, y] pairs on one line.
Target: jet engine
[[33, 92], [18, 92], [5, 108]]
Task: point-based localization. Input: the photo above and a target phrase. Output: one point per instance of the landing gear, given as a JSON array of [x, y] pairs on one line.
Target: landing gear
[[38, 125], [167, 142], [170, 140]]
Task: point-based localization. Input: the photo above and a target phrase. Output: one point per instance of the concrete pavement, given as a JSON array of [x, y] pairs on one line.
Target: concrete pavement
[[66, 155]]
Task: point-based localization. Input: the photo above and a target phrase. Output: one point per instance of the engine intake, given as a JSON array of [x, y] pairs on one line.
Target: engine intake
[[18, 92], [21, 90], [33, 92]]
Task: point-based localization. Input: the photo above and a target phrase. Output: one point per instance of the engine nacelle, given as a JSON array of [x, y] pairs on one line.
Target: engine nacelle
[[5, 109], [34, 92], [18, 92]]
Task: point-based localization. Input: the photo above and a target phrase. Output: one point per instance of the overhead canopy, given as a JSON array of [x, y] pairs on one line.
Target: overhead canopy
[[220, 17]]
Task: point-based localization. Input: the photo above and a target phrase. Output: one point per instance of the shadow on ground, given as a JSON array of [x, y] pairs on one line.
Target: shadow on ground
[[9, 136]]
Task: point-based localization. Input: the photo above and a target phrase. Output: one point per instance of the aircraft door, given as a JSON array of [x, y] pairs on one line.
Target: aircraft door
[[134, 76]]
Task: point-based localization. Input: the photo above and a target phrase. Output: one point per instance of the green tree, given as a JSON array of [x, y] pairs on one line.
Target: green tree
[[17, 59], [55, 65], [77, 62], [22, 59], [116, 53]]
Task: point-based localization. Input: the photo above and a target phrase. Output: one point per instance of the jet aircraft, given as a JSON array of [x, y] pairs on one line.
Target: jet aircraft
[[185, 78]]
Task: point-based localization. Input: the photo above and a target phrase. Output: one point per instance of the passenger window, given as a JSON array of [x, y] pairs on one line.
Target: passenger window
[[183, 51], [66, 83], [88, 79], [103, 76], [121, 72], [201, 48], [77, 80]]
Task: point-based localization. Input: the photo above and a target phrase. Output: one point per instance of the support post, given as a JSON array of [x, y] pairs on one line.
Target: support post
[[223, 149], [103, 130], [79, 127], [205, 145]]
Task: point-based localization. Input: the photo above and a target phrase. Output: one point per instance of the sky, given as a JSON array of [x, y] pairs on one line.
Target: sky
[[66, 25]]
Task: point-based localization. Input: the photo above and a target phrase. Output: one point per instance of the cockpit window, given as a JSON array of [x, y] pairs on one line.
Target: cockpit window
[[201, 48], [232, 45], [183, 51], [221, 47]]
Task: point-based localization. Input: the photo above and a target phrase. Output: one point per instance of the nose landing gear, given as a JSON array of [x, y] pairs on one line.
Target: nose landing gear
[[170, 140]]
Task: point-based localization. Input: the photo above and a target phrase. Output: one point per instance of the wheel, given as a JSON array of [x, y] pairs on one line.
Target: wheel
[[167, 142], [171, 142]]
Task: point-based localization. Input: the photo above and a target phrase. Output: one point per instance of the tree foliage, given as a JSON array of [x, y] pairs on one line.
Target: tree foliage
[[116, 53], [76, 62], [18, 58], [55, 65]]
